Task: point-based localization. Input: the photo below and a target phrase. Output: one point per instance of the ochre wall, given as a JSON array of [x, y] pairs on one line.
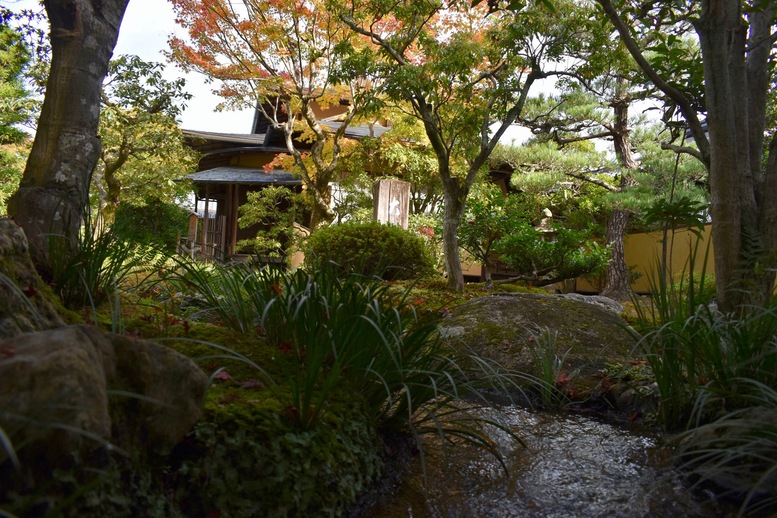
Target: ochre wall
[[643, 252]]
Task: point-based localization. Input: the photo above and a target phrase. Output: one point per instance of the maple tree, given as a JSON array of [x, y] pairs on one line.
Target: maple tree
[[286, 58], [466, 76]]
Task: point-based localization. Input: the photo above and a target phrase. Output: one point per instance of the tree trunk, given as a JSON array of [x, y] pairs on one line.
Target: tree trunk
[[617, 283], [723, 39], [320, 211], [488, 268], [54, 190], [453, 212]]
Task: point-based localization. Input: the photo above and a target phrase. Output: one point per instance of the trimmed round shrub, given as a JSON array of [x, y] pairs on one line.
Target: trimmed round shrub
[[374, 249]]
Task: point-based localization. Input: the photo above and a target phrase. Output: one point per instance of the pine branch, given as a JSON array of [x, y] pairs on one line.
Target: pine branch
[[595, 181], [683, 150]]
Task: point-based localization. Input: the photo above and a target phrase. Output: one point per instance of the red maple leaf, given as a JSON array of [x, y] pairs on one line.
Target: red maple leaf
[[222, 375]]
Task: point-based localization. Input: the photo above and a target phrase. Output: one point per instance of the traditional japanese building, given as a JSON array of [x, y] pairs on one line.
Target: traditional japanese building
[[233, 165]]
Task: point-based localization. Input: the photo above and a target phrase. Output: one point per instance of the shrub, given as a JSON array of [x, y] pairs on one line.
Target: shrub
[[371, 248], [156, 222]]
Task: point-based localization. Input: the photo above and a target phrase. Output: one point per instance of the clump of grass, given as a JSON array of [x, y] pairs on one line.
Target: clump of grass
[[89, 273], [550, 363], [717, 378], [734, 451], [352, 330]]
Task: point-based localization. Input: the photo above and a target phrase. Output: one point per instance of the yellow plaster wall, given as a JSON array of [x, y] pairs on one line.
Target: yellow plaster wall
[[643, 251]]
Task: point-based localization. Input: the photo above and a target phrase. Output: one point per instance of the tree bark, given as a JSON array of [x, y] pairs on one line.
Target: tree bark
[[617, 283], [54, 190], [452, 214], [735, 103]]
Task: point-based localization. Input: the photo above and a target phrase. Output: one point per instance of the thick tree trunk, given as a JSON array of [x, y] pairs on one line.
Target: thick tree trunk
[[617, 283], [54, 190], [453, 212], [723, 40]]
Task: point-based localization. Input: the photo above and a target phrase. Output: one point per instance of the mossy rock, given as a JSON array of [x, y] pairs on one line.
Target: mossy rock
[[504, 328], [28, 303]]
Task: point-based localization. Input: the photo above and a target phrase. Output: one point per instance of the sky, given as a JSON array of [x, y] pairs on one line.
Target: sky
[[144, 32]]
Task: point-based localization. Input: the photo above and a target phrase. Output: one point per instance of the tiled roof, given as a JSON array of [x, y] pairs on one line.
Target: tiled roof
[[245, 175], [360, 131], [237, 138], [258, 139]]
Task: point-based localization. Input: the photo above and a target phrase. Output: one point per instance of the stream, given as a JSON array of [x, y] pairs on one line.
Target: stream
[[572, 466]]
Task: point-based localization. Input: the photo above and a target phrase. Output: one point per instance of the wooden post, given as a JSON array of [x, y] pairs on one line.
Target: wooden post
[[205, 225], [234, 215], [190, 246], [191, 235], [391, 202]]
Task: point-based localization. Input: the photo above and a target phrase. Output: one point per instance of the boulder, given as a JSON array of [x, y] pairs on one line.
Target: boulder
[[28, 304], [605, 302], [505, 327], [68, 391]]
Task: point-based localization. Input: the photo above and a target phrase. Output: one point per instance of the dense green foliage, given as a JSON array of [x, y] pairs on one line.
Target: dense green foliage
[[542, 259], [155, 222], [16, 103], [17, 107], [12, 159], [371, 248], [504, 228], [273, 211], [253, 462]]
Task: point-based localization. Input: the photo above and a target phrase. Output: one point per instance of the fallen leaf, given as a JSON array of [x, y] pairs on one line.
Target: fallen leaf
[[222, 375]]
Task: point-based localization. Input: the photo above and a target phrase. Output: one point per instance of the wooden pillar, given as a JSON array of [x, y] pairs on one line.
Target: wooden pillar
[[233, 218], [206, 216], [391, 202]]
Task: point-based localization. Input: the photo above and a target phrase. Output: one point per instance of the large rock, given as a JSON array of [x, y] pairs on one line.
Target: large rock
[[76, 388], [27, 304], [504, 327]]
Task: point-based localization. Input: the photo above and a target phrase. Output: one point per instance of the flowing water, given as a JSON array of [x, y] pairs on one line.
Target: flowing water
[[572, 466]]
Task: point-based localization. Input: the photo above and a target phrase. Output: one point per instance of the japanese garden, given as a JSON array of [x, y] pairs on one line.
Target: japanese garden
[[490, 258]]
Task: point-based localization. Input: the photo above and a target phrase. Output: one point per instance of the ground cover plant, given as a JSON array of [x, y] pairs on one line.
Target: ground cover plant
[[323, 353]]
